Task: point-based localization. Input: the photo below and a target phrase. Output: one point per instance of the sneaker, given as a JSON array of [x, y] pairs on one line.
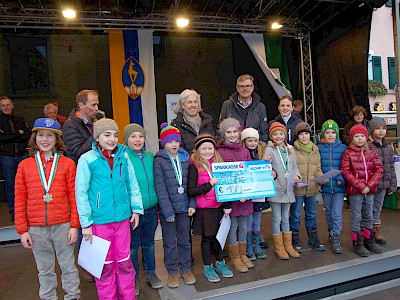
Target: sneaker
[[221, 268], [154, 281], [137, 287], [189, 278], [173, 281], [263, 242], [209, 273]]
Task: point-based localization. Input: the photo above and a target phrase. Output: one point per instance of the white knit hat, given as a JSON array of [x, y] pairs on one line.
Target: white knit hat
[[250, 132]]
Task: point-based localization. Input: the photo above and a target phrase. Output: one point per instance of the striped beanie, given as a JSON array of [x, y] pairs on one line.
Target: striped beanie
[[276, 126], [169, 133]]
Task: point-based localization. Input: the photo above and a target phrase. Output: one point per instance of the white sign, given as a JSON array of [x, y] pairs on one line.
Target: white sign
[[171, 100]]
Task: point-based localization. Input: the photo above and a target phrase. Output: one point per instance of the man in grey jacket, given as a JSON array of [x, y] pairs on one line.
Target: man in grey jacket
[[246, 106]]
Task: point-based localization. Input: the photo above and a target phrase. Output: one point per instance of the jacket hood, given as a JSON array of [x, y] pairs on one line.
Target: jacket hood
[[183, 155], [338, 142], [233, 146]]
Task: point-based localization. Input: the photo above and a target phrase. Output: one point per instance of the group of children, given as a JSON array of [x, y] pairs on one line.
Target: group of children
[[115, 189]]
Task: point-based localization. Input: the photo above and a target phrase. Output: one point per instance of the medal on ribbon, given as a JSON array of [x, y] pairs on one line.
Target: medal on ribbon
[[47, 197], [178, 172]]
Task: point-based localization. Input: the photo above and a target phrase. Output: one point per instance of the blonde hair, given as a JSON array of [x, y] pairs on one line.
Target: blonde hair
[[182, 99], [261, 148], [244, 77], [200, 162]]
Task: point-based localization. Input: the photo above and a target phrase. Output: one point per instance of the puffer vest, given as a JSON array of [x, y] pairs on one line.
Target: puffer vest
[[208, 200]]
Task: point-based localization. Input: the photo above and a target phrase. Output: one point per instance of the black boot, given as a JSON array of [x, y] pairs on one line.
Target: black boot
[[296, 240], [358, 244], [313, 240], [336, 244], [369, 242]]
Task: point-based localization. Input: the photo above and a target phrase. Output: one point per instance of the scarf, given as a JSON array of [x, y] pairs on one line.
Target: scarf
[[253, 153], [194, 122], [307, 148]]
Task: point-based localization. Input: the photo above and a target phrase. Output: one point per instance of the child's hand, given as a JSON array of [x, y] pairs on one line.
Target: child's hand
[[171, 220], [26, 240], [87, 233], [191, 211], [135, 220], [324, 181], [339, 182], [227, 211], [273, 173], [296, 179], [268, 158], [72, 235], [243, 200], [213, 181], [366, 190]]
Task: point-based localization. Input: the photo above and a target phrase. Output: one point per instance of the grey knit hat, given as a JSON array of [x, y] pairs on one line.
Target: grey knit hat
[[103, 125], [131, 128], [229, 122], [375, 122]]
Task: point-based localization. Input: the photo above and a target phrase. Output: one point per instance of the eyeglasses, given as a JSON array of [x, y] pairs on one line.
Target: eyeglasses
[[245, 86]]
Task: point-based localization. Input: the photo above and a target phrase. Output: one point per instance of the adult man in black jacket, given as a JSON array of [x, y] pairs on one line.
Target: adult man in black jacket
[[14, 135]]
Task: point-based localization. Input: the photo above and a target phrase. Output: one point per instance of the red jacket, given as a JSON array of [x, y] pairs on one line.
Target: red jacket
[[361, 169], [30, 208]]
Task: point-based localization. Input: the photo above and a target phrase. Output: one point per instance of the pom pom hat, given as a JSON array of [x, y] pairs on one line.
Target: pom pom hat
[[330, 124], [47, 124], [169, 133], [358, 128]]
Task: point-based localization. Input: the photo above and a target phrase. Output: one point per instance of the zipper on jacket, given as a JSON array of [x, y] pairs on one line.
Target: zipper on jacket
[[365, 167], [331, 165], [147, 177]]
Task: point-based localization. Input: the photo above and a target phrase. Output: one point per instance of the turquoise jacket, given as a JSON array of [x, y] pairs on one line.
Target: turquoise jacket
[[144, 173], [104, 196]]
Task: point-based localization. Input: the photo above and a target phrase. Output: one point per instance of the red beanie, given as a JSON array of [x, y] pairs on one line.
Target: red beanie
[[358, 128]]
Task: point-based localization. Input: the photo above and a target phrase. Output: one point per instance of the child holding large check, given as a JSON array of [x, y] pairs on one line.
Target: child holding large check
[[284, 164], [231, 150]]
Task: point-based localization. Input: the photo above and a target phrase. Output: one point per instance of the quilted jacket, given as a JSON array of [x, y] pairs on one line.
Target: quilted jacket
[[30, 209], [361, 169]]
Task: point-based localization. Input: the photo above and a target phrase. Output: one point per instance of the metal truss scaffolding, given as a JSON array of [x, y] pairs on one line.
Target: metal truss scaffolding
[[307, 80]]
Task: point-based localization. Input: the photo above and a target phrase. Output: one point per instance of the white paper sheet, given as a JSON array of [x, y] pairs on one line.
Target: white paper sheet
[[91, 257], [223, 230], [328, 175]]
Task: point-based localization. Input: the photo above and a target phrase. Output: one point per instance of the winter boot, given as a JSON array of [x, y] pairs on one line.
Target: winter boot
[[379, 238], [358, 244], [336, 244], [236, 262], [313, 240], [369, 241], [263, 242], [279, 248], [243, 257], [296, 240], [287, 242], [249, 252], [260, 253]]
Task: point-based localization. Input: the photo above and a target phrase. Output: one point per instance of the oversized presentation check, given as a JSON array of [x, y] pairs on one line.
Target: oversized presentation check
[[243, 179]]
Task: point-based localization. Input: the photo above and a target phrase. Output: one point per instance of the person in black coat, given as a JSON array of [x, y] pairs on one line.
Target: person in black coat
[[190, 119]]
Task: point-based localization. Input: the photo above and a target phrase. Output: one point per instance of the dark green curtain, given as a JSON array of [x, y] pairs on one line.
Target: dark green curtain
[[276, 57]]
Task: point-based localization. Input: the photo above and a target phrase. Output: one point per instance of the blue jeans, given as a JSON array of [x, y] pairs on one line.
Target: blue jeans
[[143, 236], [9, 165], [333, 211], [310, 209], [280, 217], [254, 222], [174, 233], [361, 211]]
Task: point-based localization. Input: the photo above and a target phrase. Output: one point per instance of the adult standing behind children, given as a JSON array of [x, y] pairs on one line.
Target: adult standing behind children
[[143, 235], [246, 107], [388, 184], [45, 209], [286, 118], [358, 115], [190, 119]]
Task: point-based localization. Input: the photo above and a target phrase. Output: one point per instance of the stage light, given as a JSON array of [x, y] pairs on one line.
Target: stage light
[[276, 25], [69, 13], [182, 22]]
